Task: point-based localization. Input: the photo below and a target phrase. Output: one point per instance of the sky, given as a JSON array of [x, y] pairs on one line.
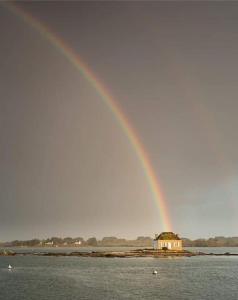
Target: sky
[[67, 167]]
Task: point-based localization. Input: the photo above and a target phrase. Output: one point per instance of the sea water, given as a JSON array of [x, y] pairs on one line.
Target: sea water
[[197, 278]]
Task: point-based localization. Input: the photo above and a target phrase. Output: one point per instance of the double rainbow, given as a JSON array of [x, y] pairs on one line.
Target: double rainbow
[[108, 99]]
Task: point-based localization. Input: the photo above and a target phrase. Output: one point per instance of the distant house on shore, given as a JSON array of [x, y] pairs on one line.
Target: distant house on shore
[[77, 243], [49, 243], [167, 241]]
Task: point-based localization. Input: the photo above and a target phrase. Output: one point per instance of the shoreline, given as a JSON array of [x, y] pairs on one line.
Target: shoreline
[[119, 254]]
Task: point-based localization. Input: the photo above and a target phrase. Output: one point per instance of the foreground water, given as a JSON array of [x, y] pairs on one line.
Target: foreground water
[[114, 278]]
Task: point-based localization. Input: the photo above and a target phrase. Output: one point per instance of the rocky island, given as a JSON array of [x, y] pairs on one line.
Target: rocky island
[[119, 254], [165, 244]]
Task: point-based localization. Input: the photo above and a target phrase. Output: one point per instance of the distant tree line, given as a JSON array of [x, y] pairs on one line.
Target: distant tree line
[[80, 242], [141, 241], [218, 241]]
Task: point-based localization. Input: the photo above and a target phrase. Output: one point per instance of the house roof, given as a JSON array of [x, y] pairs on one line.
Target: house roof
[[167, 236]]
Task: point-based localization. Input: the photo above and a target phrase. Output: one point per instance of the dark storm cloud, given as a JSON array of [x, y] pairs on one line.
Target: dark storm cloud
[[66, 166]]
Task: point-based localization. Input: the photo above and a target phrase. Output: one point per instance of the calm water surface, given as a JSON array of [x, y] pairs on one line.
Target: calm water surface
[[114, 278]]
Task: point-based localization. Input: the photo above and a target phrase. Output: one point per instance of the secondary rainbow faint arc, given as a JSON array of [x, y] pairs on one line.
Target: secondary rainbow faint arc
[[108, 99]]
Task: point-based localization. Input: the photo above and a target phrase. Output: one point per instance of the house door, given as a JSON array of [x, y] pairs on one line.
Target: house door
[[169, 246]]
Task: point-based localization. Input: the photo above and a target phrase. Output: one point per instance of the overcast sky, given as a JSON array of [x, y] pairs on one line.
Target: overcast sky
[[66, 167]]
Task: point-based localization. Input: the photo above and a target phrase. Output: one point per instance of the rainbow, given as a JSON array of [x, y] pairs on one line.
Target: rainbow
[[108, 99]]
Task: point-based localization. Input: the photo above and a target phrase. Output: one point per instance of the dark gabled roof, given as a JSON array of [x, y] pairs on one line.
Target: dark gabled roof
[[167, 236]]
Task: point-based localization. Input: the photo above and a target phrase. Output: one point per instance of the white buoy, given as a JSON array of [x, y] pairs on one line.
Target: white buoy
[[155, 272], [9, 267]]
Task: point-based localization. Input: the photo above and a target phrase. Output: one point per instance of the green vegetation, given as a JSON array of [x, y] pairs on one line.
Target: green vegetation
[[167, 236], [112, 241], [218, 241], [80, 242], [92, 242]]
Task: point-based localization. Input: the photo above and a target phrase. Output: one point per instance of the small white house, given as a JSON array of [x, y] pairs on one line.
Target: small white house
[[167, 241], [77, 243], [49, 243]]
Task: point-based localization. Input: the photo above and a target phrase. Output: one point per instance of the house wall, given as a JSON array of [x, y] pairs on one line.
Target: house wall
[[170, 244]]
